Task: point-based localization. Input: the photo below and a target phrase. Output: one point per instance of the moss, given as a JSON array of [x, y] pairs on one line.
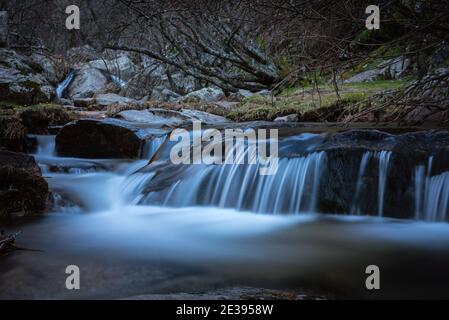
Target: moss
[[307, 101]]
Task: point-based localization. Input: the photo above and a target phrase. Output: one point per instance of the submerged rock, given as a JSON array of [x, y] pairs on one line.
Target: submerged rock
[[23, 190], [99, 139]]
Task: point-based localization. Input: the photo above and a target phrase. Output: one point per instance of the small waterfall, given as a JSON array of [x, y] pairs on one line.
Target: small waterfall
[[293, 189], [431, 194], [355, 208], [152, 146], [384, 161], [118, 81], [45, 145], [64, 84]]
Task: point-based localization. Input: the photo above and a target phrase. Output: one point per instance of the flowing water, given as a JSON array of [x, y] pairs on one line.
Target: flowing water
[[218, 226], [60, 89]]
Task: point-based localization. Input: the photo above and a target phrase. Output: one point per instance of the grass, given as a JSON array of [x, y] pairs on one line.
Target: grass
[[307, 100]]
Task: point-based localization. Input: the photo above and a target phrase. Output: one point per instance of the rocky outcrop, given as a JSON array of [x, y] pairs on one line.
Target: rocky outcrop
[[21, 80], [23, 191], [99, 139]]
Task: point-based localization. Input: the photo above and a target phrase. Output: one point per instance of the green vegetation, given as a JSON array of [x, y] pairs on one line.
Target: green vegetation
[[306, 101]]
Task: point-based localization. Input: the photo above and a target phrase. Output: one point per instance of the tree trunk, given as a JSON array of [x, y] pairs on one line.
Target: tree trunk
[[3, 29]]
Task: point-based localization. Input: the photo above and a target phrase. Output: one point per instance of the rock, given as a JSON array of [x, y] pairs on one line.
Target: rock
[[162, 94], [165, 117], [20, 80], [111, 98], [265, 93], [364, 76], [37, 120], [227, 105], [389, 69], [395, 68], [86, 83], [81, 55], [204, 117], [344, 152], [3, 29], [23, 190], [49, 71], [122, 67], [204, 95], [99, 139], [141, 85], [288, 118], [12, 134], [161, 117]]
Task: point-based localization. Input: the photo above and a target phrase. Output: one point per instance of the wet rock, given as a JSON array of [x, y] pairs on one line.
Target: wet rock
[[204, 95], [344, 152], [204, 117], [162, 117], [99, 139], [21, 80], [23, 191]]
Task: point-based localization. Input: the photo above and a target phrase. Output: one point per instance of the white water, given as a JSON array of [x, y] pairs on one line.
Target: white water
[[384, 161], [431, 194], [64, 84], [120, 246], [355, 207], [294, 189]]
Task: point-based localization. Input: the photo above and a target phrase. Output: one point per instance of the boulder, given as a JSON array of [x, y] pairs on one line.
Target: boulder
[[208, 94], [48, 67], [122, 67], [107, 99], [86, 83], [21, 80], [99, 139], [204, 117], [81, 55], [161, 117], [162, 94], [389, 69], [23, 190]]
